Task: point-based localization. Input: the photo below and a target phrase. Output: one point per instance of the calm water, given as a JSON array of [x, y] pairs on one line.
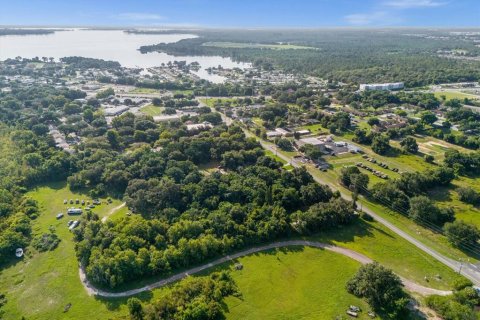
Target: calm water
[[109, 45]]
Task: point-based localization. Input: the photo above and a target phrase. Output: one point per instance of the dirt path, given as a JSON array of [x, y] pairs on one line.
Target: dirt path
[[409, 285], [112, 211]]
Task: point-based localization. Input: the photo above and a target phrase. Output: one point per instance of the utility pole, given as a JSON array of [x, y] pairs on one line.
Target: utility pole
[[461, 265]]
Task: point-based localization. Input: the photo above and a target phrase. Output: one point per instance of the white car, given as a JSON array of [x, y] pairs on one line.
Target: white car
[[74, 225]]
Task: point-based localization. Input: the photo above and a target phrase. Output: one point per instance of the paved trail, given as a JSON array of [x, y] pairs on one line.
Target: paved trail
[[409, 285]]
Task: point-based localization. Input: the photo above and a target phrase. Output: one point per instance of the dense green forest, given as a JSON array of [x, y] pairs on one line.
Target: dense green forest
[[187, 216], [357, 56]]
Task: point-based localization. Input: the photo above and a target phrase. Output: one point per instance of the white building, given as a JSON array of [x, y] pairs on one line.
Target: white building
[[314, 141], [115, 111], [382, 86], [199, 126]]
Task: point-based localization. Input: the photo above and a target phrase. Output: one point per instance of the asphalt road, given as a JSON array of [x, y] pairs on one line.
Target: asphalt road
[[409, 285]]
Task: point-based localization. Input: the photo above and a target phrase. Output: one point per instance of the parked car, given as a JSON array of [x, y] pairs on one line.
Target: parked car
[[74, 225], [354, 308]]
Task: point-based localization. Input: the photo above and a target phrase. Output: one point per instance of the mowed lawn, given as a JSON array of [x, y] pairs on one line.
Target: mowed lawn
[[152, 110], [382, 245], [293, 283], [40, 285], [144, 91], [448, 197], [211, 102], [449, 95]]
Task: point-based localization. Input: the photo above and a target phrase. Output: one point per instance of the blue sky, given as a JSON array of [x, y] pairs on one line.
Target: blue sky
[[241, 13]]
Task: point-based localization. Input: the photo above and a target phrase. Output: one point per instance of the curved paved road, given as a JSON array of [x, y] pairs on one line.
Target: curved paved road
[[409, 285]]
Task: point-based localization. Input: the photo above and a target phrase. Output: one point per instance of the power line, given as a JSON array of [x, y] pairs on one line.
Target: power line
[[471, 248]]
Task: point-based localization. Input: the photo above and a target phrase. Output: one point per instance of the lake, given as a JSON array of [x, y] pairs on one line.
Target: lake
[[108, 45]]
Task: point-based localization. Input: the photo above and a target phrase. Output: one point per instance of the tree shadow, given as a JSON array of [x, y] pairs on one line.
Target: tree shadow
[[11, 262], [113, 304], [441, 193], [393, 153], [345, 234]]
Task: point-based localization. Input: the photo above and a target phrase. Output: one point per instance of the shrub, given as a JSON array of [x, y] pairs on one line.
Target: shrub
[[461, 283], [461, 234], [468, 195], [380, 144], [46, 242], [458, 306]]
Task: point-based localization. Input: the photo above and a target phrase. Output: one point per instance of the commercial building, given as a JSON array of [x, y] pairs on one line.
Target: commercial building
[[382, 86]]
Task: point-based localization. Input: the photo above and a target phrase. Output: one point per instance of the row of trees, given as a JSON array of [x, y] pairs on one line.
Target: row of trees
[[379, 99], [463, 163]]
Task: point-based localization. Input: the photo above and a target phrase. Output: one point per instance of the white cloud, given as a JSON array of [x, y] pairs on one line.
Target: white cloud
[[407, 4], [138, 16], [175, 25], [372, 18], [389, 12]]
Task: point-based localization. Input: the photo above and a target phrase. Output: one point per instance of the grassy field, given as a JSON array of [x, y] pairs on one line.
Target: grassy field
[[184, 92], [40, 285], [272, 155], [349, 159], [241, 45], [314, 128], [209, 168], [448, 197], [152, 110], [436, 147], [293, 283], [144, 91], [211, 102], [382, 245], [404, 162], [449, 95]]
